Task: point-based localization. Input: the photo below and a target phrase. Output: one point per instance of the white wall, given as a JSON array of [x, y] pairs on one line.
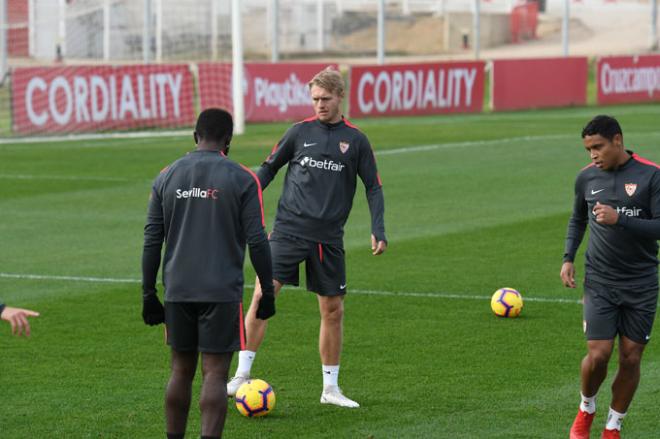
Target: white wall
[[45, 36]]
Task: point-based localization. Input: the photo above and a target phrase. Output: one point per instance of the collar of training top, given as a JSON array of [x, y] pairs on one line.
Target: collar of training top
[[331, 126]]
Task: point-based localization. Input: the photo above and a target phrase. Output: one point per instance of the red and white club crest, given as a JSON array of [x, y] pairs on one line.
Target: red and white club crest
[[343, 147], [631, 188]]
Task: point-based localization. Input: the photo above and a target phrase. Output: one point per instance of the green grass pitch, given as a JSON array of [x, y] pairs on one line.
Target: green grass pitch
[[473, 203]]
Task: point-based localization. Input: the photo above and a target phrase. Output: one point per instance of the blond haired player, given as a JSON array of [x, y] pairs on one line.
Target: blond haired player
[[325, 155]]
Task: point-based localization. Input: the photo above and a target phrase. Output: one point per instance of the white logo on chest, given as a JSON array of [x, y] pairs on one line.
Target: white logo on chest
[[327, 165], [628, 211]]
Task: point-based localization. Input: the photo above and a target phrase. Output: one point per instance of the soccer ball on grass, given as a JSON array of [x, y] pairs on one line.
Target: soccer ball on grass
[[255, 398], [506, 302]]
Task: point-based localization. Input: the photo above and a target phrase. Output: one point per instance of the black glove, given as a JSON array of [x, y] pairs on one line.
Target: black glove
[[153, 312], [266, 308]]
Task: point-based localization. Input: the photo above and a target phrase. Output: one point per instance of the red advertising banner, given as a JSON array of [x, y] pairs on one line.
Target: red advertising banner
[[76, 99], [628, 79], [273, 92], [536, 83], [415, 89]]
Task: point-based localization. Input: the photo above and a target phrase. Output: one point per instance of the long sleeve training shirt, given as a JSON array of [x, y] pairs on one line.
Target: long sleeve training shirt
[[624, 253], [324, 161], [206, 208]]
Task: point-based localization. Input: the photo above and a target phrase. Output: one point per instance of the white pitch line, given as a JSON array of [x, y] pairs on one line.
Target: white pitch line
[[422, 148], [456, 296], [432, 147], [60, 177], [386, 152], [371, 123], [438, 295], [69, 278], [100, 136]]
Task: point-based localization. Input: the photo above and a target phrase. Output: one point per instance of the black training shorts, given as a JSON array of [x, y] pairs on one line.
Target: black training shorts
[[213, 328], [610, 310], [325, 267]]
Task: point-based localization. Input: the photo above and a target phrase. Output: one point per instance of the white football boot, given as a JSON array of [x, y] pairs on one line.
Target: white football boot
[[235, 383], [333, 395]]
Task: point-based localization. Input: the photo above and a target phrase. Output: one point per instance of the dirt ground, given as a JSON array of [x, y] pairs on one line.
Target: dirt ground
[[418, 35], [591, 33]]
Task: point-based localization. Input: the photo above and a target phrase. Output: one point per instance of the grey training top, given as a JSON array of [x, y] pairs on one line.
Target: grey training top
[[324, 162], [624, 253], [206, 207]]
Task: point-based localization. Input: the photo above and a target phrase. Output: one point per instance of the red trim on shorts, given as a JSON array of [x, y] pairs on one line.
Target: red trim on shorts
[[321, 252], [261, 197], [242, 325]]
